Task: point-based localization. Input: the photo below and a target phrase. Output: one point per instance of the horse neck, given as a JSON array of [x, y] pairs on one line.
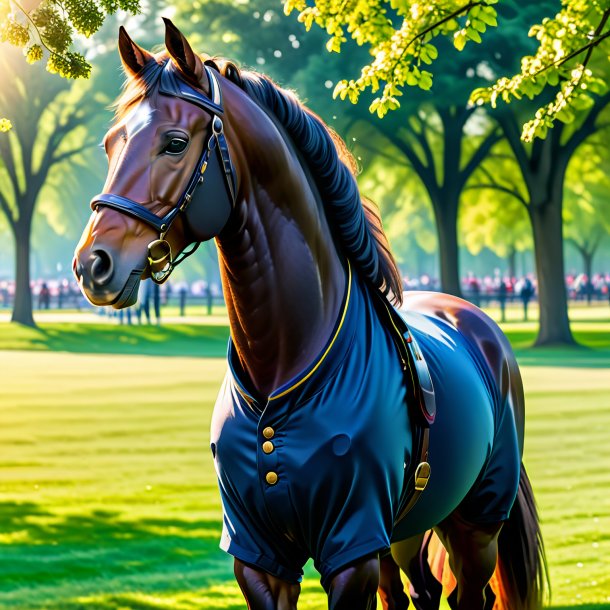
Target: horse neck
[[282, 278]]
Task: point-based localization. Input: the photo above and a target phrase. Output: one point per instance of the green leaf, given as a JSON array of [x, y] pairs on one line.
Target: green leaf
[[552, 77], [479, 25], [459, 40], [565, 116], [582, 102], [412, 79], [488, 16], [425, 82], [473, 35]]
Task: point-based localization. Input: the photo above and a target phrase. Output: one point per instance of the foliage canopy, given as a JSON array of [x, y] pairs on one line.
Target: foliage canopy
[[50, 26], [403, 38]]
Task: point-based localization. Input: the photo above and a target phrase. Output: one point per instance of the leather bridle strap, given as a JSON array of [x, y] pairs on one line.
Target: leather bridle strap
[[173, 86]]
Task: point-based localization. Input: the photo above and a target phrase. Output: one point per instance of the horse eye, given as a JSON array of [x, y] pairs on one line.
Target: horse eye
[[175, 146]]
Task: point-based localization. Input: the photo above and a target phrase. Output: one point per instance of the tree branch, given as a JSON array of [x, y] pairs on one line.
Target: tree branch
[[57, 158], [588, 127], [512, 133], [492, 138], [498, 187], [9, 162], [7, 211], [423, 142], [61, 130], [426, 175], [383, 154]]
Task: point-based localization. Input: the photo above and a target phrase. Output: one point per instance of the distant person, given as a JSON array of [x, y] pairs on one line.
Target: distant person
[[166, 293], [44, 297], [182, 294], [4, 295], [149, 290], [474, 290], [502, 295], [209, 297], [125, 315], [526, 294]]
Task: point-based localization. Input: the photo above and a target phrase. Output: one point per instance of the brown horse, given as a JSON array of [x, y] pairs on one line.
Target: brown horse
[[311, 437]]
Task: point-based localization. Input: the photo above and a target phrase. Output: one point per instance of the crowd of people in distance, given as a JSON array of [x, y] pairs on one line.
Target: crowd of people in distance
[[495, 289], [65, 294]]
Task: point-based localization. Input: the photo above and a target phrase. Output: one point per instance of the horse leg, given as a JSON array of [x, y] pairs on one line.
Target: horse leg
[[473, 555], [355, 586], [263, 591], [391, 589], [412, 557]]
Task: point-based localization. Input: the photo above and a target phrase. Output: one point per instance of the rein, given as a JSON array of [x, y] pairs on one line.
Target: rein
[[160, 259]]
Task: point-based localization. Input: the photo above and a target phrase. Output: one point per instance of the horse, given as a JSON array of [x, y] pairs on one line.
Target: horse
[[313, 437]]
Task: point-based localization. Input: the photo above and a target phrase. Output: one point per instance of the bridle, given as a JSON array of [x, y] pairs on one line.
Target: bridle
[[159, 251]]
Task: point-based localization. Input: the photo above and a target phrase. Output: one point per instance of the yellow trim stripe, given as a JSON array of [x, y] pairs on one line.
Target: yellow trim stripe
[[315, 368], [245, 396]]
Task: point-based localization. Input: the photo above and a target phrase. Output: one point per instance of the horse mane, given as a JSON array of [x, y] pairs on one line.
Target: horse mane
[[354, 220]]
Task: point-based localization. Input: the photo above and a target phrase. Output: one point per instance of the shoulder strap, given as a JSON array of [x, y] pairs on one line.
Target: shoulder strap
[[420, 400]]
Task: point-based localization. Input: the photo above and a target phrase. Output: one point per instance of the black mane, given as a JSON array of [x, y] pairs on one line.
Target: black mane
[[354, 220]]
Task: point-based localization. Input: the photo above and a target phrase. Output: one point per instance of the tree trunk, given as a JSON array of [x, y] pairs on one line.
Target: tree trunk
[[446, 227], [552, 295], [22, 309]]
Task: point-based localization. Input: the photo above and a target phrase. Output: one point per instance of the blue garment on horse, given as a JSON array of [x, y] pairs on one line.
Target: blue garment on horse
[[318, 469]]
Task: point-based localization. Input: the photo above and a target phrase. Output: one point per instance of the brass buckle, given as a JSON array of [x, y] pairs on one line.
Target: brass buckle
[[159, 260], [422, 476]]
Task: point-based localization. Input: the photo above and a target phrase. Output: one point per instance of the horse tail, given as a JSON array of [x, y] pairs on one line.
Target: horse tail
[[521, 577]]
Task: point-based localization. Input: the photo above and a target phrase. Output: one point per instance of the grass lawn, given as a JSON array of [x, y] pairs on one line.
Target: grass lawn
[[108, 496]]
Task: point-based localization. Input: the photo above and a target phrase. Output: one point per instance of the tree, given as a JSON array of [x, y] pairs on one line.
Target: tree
[[543, 165], [49, 115], [403, 38], [587, 209], [444, 137]]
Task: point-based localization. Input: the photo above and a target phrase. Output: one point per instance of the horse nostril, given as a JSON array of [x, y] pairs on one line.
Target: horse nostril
[[101, 267]]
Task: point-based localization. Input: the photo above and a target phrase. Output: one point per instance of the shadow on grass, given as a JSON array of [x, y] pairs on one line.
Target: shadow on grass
[[592, 351], [47, 557], [192, 340], [201, 341]]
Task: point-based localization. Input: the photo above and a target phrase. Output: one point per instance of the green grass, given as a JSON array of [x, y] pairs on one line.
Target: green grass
[[108, 497]]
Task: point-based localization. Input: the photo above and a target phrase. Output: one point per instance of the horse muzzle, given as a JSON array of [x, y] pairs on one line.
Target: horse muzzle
[[106, 280]]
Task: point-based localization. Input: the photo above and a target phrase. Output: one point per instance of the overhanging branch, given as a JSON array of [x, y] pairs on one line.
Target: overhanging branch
[[4, 206]]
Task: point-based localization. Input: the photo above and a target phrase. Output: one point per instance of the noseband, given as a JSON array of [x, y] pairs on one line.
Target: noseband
[[159, 251]]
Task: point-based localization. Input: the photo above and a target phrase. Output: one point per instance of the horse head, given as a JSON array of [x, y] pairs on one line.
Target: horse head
[[171, 181]]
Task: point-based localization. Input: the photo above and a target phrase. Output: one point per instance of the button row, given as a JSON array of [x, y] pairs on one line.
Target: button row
[[268, 432]]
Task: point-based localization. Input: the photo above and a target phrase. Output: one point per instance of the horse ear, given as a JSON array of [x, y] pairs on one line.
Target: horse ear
[[181, 53], [133, 57]]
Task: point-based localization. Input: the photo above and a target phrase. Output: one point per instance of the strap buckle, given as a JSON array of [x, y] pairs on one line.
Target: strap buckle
[[422, 476]]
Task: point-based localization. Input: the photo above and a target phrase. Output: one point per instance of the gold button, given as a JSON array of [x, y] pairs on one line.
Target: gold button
[[271, 478], [268, 447], [268, 432]]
